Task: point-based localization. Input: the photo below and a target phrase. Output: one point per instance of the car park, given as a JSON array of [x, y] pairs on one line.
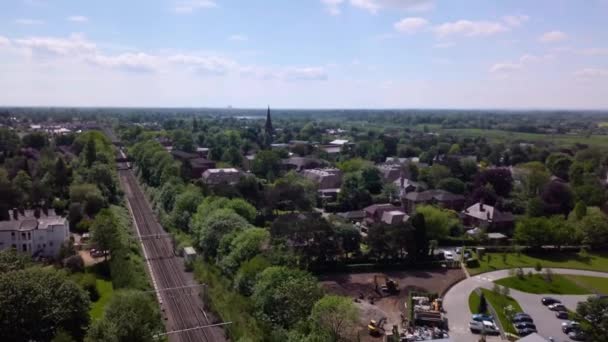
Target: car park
[[550, 301]]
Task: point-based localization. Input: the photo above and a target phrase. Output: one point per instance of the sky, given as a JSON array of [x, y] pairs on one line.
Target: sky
[[515, 54]]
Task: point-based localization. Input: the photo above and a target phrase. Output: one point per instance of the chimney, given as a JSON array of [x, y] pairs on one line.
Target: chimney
[[22, 211], [37, 212], [402, 180], [481, 208], [489, 217], [15, 214]]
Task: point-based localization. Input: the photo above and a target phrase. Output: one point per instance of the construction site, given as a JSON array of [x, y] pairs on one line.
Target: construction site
[[383, 299]]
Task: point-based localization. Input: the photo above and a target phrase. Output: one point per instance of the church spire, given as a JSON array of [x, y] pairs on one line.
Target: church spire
[[269, 129]]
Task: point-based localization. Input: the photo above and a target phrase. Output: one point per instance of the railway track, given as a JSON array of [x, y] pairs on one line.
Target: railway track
[[182, 305]]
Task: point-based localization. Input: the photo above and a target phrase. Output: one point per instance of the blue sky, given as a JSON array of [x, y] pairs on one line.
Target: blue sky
[[305, 53]]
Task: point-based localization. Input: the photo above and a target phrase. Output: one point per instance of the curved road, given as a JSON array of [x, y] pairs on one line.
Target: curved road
[[456, 303]]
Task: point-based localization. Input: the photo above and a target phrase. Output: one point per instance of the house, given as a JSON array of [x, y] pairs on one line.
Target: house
[[374, 213], [302, 163], [36, 232], [483, 215], [183, 156], [392, 172], [353, 216], [324, 178], [199, 165], [203, 152], [219, 176], [441, 198], [406, 185], [392, 217]]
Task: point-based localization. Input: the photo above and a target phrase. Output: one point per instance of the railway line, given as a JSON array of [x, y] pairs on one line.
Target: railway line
[[180, 301]]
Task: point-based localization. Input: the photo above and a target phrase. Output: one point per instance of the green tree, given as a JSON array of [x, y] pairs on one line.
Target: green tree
[[211, 229], [559, 165], [594, 228], [285, 296], [594, 311], [22, 183], [36, 303], [267, 164], [245, 245], [439, 221], [90, 152], [335, 316], [453, 185], [372, 179], [434, 174], [186, 204], [353, 194], [11, 260], [105, 233], [248, 272], [130, 316]]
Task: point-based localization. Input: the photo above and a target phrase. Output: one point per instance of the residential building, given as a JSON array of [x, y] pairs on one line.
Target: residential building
[[441, 198], [36, 232], [199, 165], [220, 176], [302, 163], [324, 178], [483, 215], [375, 212], [392, 172], [392, 217]]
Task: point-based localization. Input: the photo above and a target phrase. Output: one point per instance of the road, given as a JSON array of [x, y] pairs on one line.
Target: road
[[456, 304], [182, 308]]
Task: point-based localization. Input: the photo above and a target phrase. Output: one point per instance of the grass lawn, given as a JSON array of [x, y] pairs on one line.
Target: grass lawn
[[495, 135], [594, 262], [474, 300], [499, 302], [592, 284], [104, 287], [537, 284]]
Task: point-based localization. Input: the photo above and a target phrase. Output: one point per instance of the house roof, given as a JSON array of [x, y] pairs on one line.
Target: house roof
[[372, 209], [351, 215], [438, 195], [339, 142], [487, 213], [28, 221], [183, 155], [394, 216], [201, 162]]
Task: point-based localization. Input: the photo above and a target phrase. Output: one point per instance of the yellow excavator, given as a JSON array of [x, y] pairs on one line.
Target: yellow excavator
[[390, 286], [376, 328]]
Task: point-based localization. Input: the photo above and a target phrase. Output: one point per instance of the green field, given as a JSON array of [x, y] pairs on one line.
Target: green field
[[105, 289], [537, 284], [594, 262], [499, 302], [503, 136], [592, 284], [474, 300]]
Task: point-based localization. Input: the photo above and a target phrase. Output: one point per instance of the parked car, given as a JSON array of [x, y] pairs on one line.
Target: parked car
[[521, 319], [523, 325], [486, 327], [525, 331], [561, 314], [482, 317], [577, 335], [568, 327], [521, 314], [557, 307], [549, 301], [467, 254], [448, 255]]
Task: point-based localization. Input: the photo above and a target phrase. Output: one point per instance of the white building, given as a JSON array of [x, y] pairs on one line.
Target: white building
[[39, 236]]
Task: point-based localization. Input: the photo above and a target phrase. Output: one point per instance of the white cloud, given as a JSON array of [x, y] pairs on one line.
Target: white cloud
[[139, 62], [410, 25], [238, 37], [4, 41], [515, 20], [189, 6], [333, 6], [509, 67], [74, 45], [78, 19], [211, 65], [26, 21], [595, 52], [589, 73], [470, 28], [553, 37], [285, 74]]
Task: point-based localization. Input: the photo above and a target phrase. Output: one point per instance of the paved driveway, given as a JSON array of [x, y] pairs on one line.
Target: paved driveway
[[456, 304]]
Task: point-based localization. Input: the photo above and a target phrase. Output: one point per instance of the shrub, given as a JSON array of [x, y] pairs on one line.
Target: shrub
[[520, 273], [88, 282], [74, 263], [538, 266]]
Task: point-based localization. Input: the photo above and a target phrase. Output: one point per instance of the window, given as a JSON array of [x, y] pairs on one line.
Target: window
[[51, 243], [29, 235], [24, 247], [22, 236]]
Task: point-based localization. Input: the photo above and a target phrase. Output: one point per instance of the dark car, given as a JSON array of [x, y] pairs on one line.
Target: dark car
[[557, 307], [521, 319], [549, 300], [569, 327], [561, 314], [523, 325], [525, 331], [577, 335]]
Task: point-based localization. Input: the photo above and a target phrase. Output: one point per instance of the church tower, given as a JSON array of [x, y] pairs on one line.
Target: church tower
[[269, 129]]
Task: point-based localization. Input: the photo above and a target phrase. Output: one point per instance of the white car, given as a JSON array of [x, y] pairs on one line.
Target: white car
[[487, 327], [448, 255]]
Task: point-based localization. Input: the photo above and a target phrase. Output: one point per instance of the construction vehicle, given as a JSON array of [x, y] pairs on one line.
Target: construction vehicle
[[390, 286], [376, 328]]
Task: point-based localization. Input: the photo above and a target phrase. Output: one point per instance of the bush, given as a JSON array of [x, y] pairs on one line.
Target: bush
[[88, 282], [74, 263], [520, 273], [538, 267], [472, 263]]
